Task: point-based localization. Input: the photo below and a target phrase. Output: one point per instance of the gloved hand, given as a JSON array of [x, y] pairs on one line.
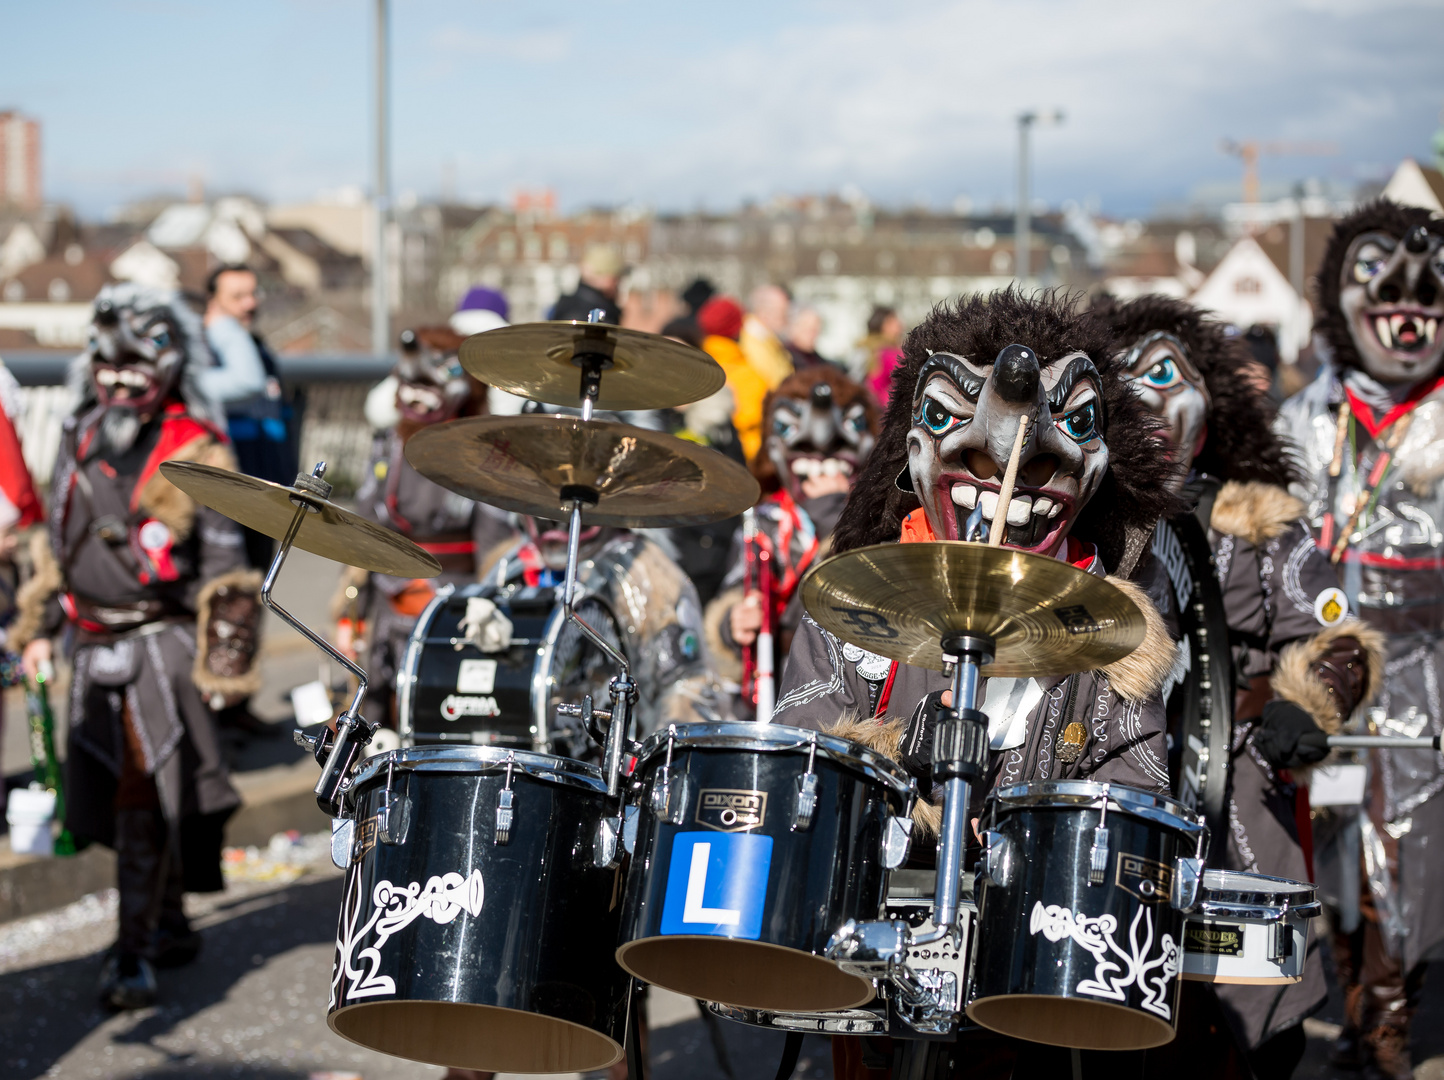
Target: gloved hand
[[917, 743], [1287, 736]]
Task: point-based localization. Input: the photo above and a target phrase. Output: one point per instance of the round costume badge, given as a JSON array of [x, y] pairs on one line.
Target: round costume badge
[[1330, 607], [154, 535], [870, 666]]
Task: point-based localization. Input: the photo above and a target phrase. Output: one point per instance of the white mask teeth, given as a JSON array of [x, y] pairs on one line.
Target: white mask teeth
[[830, 467], [1020, 509], [989, 502], [800, 467], [1385, 334], [1431, 328], [1041, 505], [965, 495], [1057, 509]]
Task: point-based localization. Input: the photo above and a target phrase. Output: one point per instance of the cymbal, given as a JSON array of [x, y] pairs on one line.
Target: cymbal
[[643, 371], [640, 478], [333, 532], [1045, 616]]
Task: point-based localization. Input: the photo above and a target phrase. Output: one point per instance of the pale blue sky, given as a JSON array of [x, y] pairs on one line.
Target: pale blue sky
[[681, 104]]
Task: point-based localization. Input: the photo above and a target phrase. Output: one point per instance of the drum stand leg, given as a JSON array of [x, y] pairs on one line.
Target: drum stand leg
[[336, 754]]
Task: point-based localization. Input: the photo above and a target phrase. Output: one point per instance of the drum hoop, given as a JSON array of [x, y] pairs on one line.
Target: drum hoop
[[779, 739], [406, 672], [482, 760], [1255, 897], [1159, 809]]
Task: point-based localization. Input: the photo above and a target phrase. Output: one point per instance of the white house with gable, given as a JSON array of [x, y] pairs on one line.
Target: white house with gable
[[1246, 288]]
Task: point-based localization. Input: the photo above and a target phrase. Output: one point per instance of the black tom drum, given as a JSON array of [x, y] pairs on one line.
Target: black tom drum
[[755, 843], [476, 931]]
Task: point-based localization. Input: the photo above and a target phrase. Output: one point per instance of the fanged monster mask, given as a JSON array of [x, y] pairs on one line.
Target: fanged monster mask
[[821, 427], [965, 421], [1381, 288], [431, 383]]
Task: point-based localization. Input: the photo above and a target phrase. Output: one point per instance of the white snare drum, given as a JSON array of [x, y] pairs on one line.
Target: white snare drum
[[1248, 928]]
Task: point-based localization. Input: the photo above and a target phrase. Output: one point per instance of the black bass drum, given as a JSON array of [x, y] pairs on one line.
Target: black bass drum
[[476, 931], [1199, 700], [755, 844], [450, 691], [1080, 920]]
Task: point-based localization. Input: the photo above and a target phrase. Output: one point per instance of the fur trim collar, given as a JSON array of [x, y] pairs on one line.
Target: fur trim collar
[[1294, 679], [30, 600], [165, 502], [1254, 511], [1140, 674], [885, 736], [208, 682]]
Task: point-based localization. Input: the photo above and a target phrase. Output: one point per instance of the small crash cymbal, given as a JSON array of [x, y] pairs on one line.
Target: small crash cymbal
[[634, 478], [641, 371], [332, 532], [1045, 616]]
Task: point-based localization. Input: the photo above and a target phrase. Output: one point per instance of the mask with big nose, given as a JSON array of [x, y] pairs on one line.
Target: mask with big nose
[[1391, 293], [966, 418]]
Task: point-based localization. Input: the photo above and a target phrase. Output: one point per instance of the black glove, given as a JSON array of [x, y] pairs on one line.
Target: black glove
[[1287, 736], [917, 744]]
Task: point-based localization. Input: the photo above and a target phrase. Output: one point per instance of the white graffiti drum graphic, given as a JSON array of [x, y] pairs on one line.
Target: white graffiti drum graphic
[[1129, 966], [393, 908]]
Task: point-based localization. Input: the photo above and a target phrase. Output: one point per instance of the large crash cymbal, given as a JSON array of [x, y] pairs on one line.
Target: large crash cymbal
[[1045, 617], [331, 532], [632, 477], [641, 371]]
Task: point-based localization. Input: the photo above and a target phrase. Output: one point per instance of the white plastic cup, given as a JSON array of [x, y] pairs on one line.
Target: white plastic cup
[[28, 812]]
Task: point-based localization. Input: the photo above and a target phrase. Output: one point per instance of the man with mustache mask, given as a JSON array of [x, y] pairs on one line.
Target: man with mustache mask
[[819, 428], [165, 618], [1370, 436], [377, 612], [1293, 645]]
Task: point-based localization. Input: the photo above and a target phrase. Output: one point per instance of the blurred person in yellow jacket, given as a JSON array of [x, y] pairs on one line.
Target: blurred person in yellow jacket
[[721, 320], [762, 330]]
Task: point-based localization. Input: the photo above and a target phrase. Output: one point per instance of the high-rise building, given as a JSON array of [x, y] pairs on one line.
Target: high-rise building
[[19, 161]]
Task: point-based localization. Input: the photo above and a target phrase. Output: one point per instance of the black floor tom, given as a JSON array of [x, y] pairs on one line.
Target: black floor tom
[[1080, 920], [476, 932]]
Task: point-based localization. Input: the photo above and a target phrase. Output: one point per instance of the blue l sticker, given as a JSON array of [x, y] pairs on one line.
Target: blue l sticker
[[717, 884]]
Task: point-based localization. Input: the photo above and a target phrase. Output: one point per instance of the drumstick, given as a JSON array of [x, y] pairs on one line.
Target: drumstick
[[1010, 477]]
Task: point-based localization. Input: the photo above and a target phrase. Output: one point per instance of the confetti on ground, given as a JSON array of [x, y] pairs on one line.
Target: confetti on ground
[[289, 855]]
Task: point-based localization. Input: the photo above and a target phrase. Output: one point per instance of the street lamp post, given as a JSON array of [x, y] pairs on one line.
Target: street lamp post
[[1022, 220], [381, 195]]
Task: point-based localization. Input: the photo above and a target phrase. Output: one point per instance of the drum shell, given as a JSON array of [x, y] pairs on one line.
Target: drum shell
[[1228, 944], [817, 878], [538, 944], [1023, 948]]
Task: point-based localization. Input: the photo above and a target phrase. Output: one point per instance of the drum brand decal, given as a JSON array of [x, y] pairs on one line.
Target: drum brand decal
[[731, 811], [1112, 976], [456, 706], [1148, 880], [1213, 939], [393, 908], [476, 677], [717, 884]]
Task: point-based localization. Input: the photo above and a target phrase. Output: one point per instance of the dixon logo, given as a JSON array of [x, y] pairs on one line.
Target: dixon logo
[[731, 811], [455, 706]]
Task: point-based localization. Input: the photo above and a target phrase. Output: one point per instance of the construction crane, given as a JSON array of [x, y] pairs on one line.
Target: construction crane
[[1248, 152]]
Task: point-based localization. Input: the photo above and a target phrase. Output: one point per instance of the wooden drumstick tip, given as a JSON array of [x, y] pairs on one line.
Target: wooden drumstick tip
[[1005, 493]]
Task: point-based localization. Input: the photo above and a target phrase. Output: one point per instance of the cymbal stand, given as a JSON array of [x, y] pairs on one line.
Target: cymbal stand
[[335, 752], [623, 688], [879, 949]]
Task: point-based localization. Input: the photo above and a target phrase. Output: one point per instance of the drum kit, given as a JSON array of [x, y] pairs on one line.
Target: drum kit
[[502, 902]]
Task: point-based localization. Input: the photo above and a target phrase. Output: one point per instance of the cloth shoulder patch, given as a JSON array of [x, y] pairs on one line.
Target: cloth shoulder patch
[[1330, 607]]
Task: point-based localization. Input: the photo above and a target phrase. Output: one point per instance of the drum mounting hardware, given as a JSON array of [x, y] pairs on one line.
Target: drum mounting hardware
[[504, 812], [805, 806], [669, 790], [1098, 853], [896, 840], [393, 816]]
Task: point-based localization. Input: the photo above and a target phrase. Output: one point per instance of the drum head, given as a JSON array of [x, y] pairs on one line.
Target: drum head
[[1069, 1021], [747, 974], [463, 1036]]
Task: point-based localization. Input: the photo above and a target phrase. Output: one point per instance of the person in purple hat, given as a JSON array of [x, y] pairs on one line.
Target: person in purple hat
[[480, 310]]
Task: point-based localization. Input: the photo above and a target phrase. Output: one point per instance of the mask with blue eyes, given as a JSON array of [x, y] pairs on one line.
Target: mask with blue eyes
[[819, 431], [1161, 373], [966, 417], [1392, 297], [136, 354]]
